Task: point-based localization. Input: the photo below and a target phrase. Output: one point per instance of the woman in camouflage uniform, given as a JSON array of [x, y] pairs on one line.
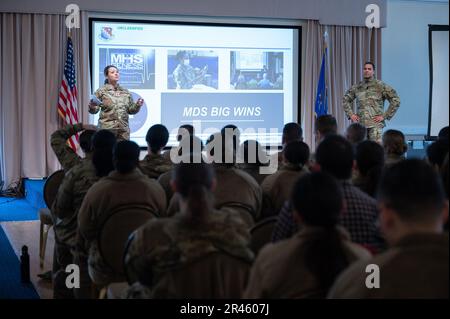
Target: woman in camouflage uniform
[[116, 103]]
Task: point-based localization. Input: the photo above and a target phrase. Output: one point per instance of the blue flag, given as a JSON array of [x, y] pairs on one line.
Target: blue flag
[[321, 107]]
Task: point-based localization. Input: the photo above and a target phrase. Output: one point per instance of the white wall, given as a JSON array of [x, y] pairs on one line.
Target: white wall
[[405, 59]]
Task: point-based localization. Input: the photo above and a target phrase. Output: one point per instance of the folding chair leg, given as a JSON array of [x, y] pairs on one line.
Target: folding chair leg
[[41, 243]]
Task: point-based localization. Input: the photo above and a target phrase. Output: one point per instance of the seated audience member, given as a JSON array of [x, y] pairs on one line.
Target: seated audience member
[[413, 210], [68, 200], [189, 144], [125, 186], [306, 265], [67, 157], [324, 125], [369, 165], [277, 187], [291, 132], [395, 147], [196, 231], [103, 143], [254, 157], [154, 164], [360, 216], [356, 133], [436, 153], [235, 189]]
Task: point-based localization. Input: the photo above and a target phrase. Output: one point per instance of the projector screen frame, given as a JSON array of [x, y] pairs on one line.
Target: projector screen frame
[[255, 24], [432, 28]]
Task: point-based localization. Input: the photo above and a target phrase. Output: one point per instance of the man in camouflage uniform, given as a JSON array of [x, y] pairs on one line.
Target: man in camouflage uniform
[[67, 157], [116, 104], [370, 95], [79, 178], [154, 164]]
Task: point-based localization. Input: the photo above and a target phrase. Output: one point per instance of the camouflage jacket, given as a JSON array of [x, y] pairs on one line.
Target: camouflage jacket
[[117, 103], [370, 96], [154, 165], [116, 191], [68, 201], [163, 244], [65, 154]]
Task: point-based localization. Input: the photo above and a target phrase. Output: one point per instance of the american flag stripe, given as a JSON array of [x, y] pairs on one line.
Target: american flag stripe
[[67, 102]]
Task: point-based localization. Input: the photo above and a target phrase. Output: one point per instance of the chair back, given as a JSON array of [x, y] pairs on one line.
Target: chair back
[[217, 275], [51, 187], [261, 233], [114, 233]]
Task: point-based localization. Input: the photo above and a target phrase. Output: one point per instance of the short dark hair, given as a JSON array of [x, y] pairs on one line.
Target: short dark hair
[[103, 143], [292, 132], [436, 152], [106, 70], [444, 133], [371, 63], [356, 133], [86, 140], [335, 156], [126, 156], [326, 124], [369, 154], [296, 152], [157, 137], [394, 142], [413, 190]]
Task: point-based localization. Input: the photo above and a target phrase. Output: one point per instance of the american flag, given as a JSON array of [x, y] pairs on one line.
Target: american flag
[[67, 103]]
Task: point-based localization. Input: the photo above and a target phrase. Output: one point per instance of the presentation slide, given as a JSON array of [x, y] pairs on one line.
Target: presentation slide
[[439, 91], [205, 75]]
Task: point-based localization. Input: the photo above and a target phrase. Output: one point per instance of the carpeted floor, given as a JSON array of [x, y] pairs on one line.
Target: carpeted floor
[[10, 285]]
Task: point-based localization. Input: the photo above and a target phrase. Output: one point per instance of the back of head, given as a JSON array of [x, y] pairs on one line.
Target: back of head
[[296, 153], [86, 140], [317, 198], [326, 124], [394, 142], [437, 151], [103, 142], [413, 190], [292, 132], [193, 182], [126, 156], [157, 137], [335, 156], [444, 133], [369, 154], [356, 133]]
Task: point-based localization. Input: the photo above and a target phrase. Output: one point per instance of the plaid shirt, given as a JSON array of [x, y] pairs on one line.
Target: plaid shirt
[[360, 219]]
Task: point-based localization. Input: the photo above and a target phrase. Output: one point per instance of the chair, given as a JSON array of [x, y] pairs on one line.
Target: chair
[[51, 187], [261, 233], [113, 236]]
